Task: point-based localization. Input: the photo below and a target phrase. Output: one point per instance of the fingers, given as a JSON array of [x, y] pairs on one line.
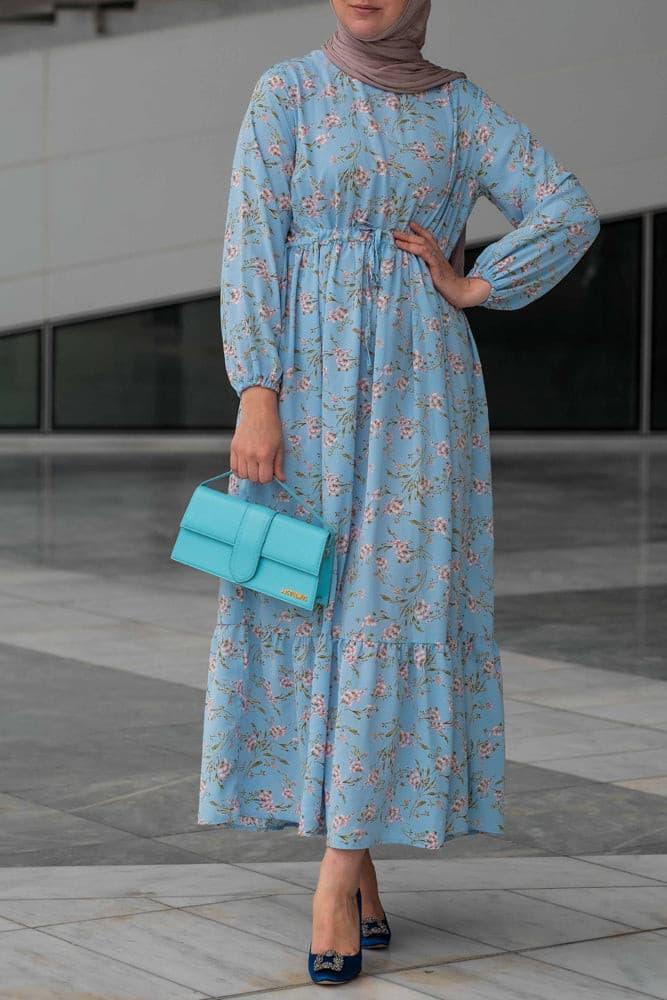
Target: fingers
[[278, 468]]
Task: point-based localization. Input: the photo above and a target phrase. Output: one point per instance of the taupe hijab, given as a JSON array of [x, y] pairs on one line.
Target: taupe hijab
[[392, 60]]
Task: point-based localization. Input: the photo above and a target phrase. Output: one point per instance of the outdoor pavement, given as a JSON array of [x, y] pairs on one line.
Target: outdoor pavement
[[110, 891]]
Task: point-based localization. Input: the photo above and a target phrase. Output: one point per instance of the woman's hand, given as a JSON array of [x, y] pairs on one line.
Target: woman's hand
[[459, 291], [257, 448]]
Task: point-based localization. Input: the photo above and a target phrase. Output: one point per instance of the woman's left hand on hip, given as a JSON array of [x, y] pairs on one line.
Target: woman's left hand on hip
[[460, 292]]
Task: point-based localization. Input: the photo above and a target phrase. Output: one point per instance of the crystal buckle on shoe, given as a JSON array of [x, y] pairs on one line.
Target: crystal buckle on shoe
[[329, 960], [372, 926]]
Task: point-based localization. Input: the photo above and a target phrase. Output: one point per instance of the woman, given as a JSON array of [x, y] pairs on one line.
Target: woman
[[378, 718]]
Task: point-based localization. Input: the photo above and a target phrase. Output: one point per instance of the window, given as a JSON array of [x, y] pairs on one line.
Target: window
[[20, 359], [569, 360]]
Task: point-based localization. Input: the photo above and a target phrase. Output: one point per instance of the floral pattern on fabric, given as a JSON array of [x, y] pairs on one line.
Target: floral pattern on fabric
[[378, 718]]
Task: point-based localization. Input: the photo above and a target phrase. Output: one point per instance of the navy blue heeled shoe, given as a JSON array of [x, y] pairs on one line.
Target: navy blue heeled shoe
[[375, 932], [330, 967]]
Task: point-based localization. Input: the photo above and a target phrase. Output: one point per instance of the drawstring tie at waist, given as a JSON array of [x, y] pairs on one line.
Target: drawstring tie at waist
[[370, 236]]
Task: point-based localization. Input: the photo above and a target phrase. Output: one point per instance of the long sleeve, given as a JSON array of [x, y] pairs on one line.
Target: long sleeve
[[554, 220], [258, 218]]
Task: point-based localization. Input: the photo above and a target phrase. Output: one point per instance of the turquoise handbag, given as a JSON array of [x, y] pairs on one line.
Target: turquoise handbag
[[257, 547]]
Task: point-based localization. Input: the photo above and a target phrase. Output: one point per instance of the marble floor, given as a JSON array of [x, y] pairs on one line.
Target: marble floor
[[109, 889]]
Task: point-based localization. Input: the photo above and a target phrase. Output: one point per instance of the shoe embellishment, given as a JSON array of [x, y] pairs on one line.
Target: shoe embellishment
[[329, 960], [372, 926]]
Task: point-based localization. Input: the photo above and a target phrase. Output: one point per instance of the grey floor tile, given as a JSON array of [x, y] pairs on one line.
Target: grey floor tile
[[611, 740], [115, 881], [478, 873], [635, 961], [37, 966], [502, 919], [653, 866], [613, 767], [9, 925], [583, 818], [42, 912], [643, 907], [508, 977], [600, 628], [198, 953]]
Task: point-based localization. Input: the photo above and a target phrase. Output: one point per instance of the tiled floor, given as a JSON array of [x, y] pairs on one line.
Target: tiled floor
[[109, 889]]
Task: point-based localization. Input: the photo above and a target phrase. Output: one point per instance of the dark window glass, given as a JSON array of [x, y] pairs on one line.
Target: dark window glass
[[20, 355], [161, 368], [659, 348], [570, 360]]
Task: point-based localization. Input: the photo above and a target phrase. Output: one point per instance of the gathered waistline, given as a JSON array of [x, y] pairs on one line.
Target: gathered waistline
[[361, 234]]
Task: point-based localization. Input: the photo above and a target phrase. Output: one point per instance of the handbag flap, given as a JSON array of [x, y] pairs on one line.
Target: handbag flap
[[249, 541], [289, 540]]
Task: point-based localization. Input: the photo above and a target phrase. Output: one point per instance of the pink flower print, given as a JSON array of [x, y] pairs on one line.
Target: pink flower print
[[442, 762], [307, 303], [543, 191], [471, 603], [464, 139], [356, 766], [314, 426], [368, 813], [335, 199], [265, 800], [482, 134], [361, 106], [329, 439], [276, 82], [318, 706], [339, 822], [394, 506], [433, 324], [391, 633], [405, 427], [394, 814], [415, 778], [332, 119], [382, 564], [402, 550], [365, 552], [382, 301], [223, 770], [405, 738], [361, 177], [485, 749], [440, 525], [231, 251], [435, 400], [376, 426], [334, 485], [422, 152], [455, 362], [480, 486], [576, 229], [402, 383], [381, 166], [392, 101], [338, 315], [351, 696], [304, 628], [458, 805], [251, 741], [343, 359], [421, 611], [373, 778], [350, 653], [431, 841], [380, 689], [422, 191]]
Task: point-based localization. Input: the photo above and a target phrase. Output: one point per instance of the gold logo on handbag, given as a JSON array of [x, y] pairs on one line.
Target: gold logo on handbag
[[294, 593]]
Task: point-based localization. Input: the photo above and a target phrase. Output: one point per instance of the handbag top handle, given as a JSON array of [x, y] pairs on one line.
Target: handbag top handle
[[292, 493]]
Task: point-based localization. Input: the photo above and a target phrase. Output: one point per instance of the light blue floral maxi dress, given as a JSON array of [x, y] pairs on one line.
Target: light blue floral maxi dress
[[378, 718]]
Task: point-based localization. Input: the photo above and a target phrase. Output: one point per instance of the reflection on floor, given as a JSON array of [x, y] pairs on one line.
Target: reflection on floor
[[103, 658]]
